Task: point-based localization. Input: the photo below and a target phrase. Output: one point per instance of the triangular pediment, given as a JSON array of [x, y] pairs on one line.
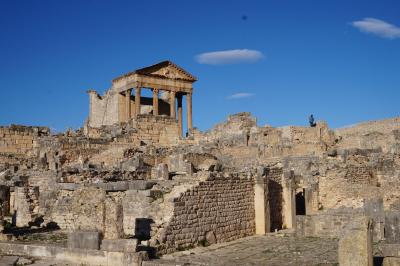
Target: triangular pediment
[[166, 69]]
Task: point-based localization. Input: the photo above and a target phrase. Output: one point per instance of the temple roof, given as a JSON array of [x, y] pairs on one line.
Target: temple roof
[[164, 69]]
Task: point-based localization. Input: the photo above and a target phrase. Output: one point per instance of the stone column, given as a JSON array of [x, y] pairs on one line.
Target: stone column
[[172, 104], [180, 125], [137, 101], [261, 204], [128, 104], [189, 111], [155, 101], [289, 199]]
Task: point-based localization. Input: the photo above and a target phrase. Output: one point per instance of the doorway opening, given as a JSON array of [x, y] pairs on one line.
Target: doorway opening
[[300, 203]]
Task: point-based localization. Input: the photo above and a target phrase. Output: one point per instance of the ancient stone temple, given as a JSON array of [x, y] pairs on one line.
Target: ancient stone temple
[[119, 105]]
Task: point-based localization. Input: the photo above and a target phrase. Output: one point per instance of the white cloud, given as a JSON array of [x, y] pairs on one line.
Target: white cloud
[[229, 57], [240, 95], [377, 27]]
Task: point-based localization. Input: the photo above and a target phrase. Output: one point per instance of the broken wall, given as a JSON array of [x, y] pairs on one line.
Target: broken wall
[[21, 140], [219, 209]]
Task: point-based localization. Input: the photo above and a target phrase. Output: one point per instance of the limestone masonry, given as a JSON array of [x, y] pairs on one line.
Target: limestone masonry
[[132, 188]]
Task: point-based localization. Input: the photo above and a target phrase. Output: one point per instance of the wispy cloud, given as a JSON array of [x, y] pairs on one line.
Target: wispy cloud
[[240, 95], [229, 57], [377, 27]]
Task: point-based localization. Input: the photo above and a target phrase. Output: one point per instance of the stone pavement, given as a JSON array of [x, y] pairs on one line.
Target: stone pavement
[[273, 249]]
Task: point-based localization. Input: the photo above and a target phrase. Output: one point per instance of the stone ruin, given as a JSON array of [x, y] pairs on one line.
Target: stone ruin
[[129, 187]]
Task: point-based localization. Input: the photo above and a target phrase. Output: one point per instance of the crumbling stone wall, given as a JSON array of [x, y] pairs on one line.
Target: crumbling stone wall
[[219, 209], [382, 134], [103, 110], [20, 139], [26, 205], [361, 175], [143, 130]]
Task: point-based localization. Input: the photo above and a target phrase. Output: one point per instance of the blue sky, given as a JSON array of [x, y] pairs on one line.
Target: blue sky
[[281, 60]]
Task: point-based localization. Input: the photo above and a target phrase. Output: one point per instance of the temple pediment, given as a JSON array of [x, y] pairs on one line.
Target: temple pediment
[[165, 70]]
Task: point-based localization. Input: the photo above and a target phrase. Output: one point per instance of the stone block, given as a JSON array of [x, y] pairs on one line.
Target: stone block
[[8, 260], [390, 250], [160, 172], [119, 245], [113, 219], [113, 186], [392, 227], [84, 240], [132, 164], [68, 186], [391, 261], [88, 208], [355, 246], [140, 185], [374, 208]]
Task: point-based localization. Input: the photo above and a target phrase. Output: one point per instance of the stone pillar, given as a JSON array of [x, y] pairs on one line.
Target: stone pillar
[[172, 104], [128, 104], [113, 224], [180, 125], [355, 246], [137, 101], [155, 101], [289, 200], [189, 111], [383, 227], [261, 204]]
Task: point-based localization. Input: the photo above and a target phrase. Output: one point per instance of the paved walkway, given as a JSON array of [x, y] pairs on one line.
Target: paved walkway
[[258, 250]]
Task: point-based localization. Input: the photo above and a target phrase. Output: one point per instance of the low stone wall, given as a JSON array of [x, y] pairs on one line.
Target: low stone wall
[[86, 209], [75, 256], [219, 209], [20, 139]]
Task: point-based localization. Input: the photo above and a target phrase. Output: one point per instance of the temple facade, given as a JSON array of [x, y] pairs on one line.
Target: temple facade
[[123, 101]]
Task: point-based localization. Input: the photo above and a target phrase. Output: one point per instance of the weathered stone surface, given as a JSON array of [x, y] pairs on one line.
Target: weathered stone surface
[[392, 228], [160, 172], [355, 246], [88, 209], [219, 208], [113, 221], [391, 261], [119, 245], [26, 205], [8, 260], [84, 240], [268, 250]]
